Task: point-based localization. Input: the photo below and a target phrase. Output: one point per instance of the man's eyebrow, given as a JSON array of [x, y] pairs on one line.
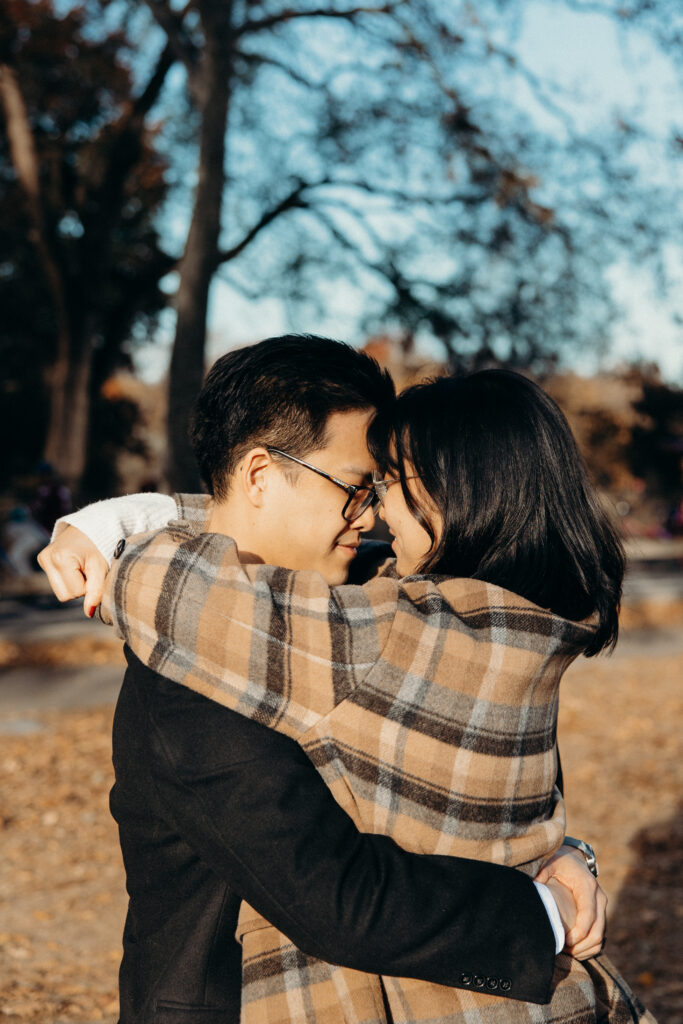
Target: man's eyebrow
[[356, 471]]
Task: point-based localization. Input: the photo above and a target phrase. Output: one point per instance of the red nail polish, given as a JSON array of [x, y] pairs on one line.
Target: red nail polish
[[92, 611]]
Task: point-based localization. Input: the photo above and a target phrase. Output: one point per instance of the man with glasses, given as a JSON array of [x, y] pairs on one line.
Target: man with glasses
[[213, 808], [359, 498]]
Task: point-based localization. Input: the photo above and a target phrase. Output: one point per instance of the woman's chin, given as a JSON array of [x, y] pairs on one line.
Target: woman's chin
[[401, 568]]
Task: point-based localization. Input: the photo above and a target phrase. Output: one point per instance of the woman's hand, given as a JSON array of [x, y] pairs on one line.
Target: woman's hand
[[570, 882], [75, 568]]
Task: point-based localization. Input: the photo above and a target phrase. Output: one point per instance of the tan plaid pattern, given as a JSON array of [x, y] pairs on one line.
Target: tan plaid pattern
[[428, 705], [281, 985]]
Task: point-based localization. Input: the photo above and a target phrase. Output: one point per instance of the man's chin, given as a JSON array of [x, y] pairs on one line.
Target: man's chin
[[335, 575]]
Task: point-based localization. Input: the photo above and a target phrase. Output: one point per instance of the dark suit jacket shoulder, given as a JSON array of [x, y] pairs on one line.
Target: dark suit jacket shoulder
[[213, 808]]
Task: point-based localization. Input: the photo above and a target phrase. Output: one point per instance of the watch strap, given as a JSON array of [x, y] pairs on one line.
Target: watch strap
[[587, 850]]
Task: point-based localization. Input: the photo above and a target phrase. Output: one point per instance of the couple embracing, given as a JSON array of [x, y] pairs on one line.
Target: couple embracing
[[337, 780]]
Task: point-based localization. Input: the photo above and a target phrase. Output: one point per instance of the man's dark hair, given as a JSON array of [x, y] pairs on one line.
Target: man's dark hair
[[497, 459], [279, 392]]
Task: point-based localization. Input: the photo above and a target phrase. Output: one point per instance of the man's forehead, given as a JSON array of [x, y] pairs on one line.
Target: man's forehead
[[346, 441], [353, 463]]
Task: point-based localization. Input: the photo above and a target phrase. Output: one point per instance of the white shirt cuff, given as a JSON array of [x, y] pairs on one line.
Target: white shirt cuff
[[554, 915], [106, 522]]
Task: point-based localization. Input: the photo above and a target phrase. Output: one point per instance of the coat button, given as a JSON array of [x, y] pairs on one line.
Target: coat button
[[479, 981], [492, 984], [465, 979], [119, 549], [505, 984]]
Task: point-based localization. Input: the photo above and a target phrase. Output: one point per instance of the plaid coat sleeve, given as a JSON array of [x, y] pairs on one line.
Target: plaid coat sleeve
[[277, 646]]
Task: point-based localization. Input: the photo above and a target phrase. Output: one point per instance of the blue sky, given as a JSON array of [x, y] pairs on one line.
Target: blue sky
[[589, 53]]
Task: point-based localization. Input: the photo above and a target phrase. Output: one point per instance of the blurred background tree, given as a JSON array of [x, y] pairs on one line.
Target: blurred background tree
[[656, 449], [80, 258], [332, 149], [630, 429]]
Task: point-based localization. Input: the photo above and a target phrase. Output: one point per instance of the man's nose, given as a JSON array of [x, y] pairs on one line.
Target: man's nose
[[366, 521]]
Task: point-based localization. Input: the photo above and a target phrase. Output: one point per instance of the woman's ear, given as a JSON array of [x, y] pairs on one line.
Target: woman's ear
[[253, 475]]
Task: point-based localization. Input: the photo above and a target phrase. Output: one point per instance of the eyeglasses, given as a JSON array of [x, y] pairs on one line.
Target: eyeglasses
[[382, 486], [360, 498]]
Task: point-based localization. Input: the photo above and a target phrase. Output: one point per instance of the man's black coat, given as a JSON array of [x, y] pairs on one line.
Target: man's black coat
[[213, 808]]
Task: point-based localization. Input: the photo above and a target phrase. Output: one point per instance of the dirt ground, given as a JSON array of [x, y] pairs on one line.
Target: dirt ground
[[61, 880]]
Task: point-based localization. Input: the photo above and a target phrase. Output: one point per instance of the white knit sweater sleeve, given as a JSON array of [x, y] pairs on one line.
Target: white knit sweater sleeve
[[106, 522]]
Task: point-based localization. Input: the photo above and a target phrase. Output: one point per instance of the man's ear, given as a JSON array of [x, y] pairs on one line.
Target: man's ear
[[253, 474]]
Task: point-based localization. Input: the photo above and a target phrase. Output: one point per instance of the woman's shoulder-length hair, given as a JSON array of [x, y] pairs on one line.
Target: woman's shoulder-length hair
[[502, 476]]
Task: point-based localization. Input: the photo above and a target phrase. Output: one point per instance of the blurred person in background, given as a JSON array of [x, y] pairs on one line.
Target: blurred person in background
[[52, 499], [23, 539]]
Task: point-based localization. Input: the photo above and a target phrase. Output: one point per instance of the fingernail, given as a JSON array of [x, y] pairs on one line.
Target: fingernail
[[92, 611]]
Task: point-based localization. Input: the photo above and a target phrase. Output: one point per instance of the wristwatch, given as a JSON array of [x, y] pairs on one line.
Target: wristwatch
[[587, 850]]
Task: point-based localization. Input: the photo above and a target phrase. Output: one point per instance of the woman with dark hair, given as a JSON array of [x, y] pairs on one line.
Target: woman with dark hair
[[427, 697], [500, 493]]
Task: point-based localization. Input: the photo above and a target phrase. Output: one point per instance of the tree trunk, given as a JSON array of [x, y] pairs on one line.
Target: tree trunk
[[65, 447], [67, 434], [211, 89]]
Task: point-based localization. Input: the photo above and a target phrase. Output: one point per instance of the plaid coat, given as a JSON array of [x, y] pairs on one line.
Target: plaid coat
[[429, 706]]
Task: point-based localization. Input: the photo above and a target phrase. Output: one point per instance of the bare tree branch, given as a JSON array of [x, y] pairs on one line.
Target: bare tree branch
[[358, 217], [323, 85], [254, 25], [443, 324], [295, 200], [594, 7], [345, 243], [172, 23], [138, 108], [122, 141], [248, 291], [261, 60], [290, 202], [401, 196], [150, 93]]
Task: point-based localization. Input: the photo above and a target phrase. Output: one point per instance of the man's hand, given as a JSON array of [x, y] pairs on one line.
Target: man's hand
[[75, 568], [585, 927]]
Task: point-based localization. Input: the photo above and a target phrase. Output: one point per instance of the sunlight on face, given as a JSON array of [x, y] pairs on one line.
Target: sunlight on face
[[411, 541], [304, 526]]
